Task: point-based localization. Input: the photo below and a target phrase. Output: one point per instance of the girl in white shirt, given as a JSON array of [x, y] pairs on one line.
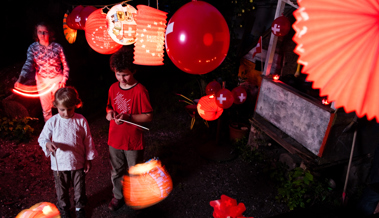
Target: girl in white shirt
[[67, 139]]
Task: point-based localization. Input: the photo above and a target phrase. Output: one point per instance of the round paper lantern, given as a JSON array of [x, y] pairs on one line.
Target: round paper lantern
[[197, 38], [212, 87], [281, 26], [239, 95], [208, 109], [121, 24], [224, 98], [73, 19], [69, 34], [40, 210], [84, 15], [147, 184], [151, 27], [97, 34]]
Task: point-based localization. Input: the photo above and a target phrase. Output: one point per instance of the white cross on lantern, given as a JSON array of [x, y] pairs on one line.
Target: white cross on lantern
[[242, 97], [275, 28], [130, 31], [221, 98]]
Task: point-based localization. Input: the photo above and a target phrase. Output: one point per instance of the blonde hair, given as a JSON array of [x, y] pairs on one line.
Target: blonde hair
[[68, 97]]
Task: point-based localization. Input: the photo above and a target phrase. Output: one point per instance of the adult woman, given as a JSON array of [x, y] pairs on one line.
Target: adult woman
[[47, 60]]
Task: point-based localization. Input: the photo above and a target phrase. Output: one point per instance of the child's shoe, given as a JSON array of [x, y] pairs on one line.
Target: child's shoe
[[81, 213], [115, 204]]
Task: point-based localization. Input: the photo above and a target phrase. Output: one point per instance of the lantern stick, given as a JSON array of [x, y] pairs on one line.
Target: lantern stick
[[56, 162], [134, 124], [184, 97]]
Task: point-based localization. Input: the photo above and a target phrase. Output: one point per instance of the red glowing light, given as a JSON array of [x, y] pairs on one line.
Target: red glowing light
[[276, 77], [325, 101], [32, 91]]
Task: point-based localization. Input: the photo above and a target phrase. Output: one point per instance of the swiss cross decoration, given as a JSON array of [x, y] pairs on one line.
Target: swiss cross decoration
[[281, 26], [227, 207], [224, 98], [239, 94]]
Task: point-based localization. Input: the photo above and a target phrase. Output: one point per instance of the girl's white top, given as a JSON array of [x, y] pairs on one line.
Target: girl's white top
[[73, 139]]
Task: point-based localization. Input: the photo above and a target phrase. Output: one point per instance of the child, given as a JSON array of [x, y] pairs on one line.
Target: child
[[67, 137], [127, 100]]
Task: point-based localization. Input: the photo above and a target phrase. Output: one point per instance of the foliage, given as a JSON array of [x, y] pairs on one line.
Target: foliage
[[246, 152], [17, 129]]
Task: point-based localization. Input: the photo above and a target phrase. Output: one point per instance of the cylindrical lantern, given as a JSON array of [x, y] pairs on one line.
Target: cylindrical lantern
[[73, 19], [239, 94], [43, 209], [151, 27], [147, 184], [69, 34], [197, 38], [224, 98], [97, 34], [281, 26], [84, 14], [212, 87], [208, 109], [121, 24]]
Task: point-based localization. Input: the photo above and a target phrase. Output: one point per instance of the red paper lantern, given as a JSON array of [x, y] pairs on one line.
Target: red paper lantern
[[73, 19], [148, 184], [212, 87], [239, 94], [224, 98], [121, 24], [69, 34], [40, 210], [97, 34], [84, 15], [151, 27], [281, 26], [208, 109], [197, 38]]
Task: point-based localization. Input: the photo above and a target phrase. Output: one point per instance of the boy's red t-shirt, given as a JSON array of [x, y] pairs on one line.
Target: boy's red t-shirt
[[134, 100]]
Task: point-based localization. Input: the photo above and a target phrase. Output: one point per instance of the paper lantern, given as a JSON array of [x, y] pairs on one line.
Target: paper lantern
[[151, 27], [212, 87], [281, 26], [121, 24], [84, 15], [239, 95], [147, 184], [197, 38], [69, 34], [40, 210], [73, 19], [227, 207], [208, 109], [97, 34], [224, 98], [337, 43]]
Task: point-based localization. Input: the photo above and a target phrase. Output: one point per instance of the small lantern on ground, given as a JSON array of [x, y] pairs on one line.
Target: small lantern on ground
[[40, 210]]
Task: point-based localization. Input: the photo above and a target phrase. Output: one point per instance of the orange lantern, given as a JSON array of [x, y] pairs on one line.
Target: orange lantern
[[69, 34], [97, 34], [150, 36], [121, 24], [40, 210], [208, 109], [147, 184]]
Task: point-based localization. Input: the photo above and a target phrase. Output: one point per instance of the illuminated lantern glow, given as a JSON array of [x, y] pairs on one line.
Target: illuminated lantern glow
[[346, 70], [32, 91], [87, 10], [224, 98], [69, 34], [208, 109], [276, 77], [97, 34], [281, 26], [73, 19], [212, 87], [121, 24], [147, 184], [150, 36], [325, 101], [197, 38], [227, 207], [40, 210], [239, 94]]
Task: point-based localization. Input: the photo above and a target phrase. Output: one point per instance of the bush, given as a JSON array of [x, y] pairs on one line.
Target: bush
[[16, 129]]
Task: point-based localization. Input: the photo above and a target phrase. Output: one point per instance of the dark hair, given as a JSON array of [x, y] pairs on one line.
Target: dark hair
[[123, 59], [68, 97], [48, 27]]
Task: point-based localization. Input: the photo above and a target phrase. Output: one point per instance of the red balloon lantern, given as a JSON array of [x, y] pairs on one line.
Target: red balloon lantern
[[208, 109], [281, 26], [84, 15], [197, 38], [73, 19], [97, 34], [224, 98], [239, 94], [212, 87]]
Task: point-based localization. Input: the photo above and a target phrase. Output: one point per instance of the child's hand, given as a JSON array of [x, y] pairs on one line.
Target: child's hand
[[110, 115], [51, 147], [87, 166], [118, 119]]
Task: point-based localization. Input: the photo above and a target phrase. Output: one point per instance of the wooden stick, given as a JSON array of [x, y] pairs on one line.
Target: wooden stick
[[134, 124]]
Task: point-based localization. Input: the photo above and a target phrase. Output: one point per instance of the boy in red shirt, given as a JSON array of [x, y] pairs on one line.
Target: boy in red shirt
[[127, 100]]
